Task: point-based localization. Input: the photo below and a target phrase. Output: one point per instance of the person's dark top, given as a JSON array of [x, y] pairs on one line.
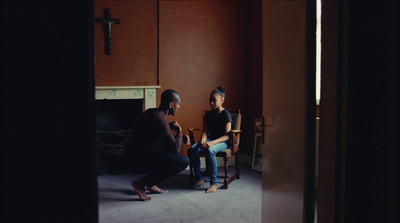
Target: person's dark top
[[216, 123], [152, 134]]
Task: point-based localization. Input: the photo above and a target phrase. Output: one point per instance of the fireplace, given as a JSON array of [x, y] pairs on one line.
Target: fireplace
[[116, 110], [147, 93]]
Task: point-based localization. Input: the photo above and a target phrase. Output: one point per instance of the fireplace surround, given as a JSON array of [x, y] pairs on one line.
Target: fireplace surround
[[147, 93], [116, 109]]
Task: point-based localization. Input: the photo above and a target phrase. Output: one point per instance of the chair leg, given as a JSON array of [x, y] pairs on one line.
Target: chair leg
[[237, 166], [226, 159], [191, 174]]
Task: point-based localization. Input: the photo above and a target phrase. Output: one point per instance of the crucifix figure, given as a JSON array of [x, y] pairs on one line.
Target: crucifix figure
[[108, 22]]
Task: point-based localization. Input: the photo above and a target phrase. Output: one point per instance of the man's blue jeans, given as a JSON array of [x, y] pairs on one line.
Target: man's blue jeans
[[196, 151]]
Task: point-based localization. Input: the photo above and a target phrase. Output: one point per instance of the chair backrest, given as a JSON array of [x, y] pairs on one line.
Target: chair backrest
[[237, 121], [236, 124]]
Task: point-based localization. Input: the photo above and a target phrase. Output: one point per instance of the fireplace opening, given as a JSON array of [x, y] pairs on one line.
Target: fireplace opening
[[114, 123]]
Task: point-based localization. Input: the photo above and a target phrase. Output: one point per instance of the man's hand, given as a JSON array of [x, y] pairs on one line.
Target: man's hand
[[175, 126], [186, 139]]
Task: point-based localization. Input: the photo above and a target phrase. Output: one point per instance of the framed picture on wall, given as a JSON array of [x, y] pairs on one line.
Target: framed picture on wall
[[259, 126], [256, 163]]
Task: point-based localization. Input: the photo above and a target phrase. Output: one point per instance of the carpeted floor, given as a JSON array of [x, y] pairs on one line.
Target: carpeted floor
[[118, 203]]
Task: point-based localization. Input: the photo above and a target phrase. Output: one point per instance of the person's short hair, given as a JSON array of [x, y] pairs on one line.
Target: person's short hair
[[168, 96], [220, 91]]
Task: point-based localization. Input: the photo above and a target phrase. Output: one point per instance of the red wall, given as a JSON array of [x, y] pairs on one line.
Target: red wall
[[202, 45], [134, 44]]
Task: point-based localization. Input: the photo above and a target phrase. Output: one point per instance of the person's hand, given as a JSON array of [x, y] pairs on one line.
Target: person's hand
[[209, 144], [175, 126], [186, 139], [204, 145]]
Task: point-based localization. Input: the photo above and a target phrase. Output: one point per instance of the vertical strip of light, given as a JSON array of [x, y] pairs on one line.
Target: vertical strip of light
[[318, 54]]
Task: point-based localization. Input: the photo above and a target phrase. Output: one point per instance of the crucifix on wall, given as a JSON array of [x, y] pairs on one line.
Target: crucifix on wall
[[108, 22]]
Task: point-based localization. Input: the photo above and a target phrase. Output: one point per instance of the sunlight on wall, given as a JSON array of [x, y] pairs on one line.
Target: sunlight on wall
[[318, 56]]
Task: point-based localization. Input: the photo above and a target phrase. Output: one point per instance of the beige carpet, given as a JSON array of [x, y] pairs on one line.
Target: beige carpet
[[118, 203]]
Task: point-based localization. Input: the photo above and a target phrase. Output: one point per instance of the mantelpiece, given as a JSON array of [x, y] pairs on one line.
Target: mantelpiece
[[147, 93]]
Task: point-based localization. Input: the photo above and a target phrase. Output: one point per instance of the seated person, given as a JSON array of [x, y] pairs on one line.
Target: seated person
[[214, 138]]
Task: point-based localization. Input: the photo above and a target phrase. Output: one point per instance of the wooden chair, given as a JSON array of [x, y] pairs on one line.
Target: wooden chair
[[234, 135]]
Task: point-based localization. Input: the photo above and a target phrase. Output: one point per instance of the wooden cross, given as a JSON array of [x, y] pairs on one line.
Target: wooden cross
[[108, 22]]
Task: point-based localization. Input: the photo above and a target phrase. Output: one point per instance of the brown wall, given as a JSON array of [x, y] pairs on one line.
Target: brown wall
[[284, 89], [284, 85], [134, 44], [253, 70], [202, 45]]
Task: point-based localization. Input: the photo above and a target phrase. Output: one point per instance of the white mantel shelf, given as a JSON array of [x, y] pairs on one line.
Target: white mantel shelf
[[147, 93]]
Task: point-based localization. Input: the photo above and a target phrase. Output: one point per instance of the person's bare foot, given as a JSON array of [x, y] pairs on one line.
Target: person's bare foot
[[197, 184], [155, 189], [212, 189], [140, 190]]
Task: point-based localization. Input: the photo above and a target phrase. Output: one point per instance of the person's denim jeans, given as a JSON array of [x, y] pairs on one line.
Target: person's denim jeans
[[194, 153]]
